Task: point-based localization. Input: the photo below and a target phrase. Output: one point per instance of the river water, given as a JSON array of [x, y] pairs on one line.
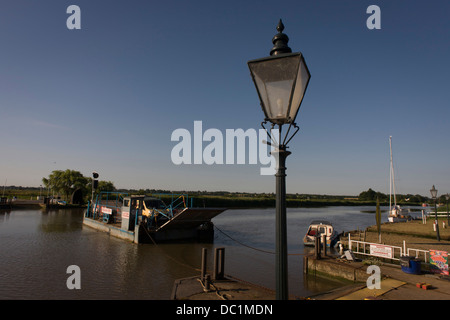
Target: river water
[[37, 247]]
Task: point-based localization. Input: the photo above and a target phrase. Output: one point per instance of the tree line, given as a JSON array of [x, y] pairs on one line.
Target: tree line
[[371, 195], [65, 182]]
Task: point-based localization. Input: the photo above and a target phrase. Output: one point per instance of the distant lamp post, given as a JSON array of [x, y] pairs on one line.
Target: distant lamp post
[[447, 197], [281, 81], [433, 192]]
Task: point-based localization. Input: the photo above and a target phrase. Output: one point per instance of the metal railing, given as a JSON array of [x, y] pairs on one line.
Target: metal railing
[[176, 199], [386, 251], [364, 248], [111, 200], [178, 202], [417, 252]]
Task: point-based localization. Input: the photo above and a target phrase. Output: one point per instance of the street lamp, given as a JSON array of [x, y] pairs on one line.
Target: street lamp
[[447, 196], [281, 81], [433, 192]]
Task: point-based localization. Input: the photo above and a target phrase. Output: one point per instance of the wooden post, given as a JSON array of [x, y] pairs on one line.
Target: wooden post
[[317, 247], [324, 244], [203, 266], [207, 282], [219, 264]]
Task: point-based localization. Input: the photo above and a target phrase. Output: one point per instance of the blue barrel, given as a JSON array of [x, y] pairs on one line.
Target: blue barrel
[[410, 265]]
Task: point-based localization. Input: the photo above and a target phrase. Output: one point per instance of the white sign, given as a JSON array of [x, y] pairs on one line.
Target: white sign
[[106, 210], [381, 251]]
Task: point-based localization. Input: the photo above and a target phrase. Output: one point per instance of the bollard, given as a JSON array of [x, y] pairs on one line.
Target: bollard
[[317, 247], [207, 283], [219, 264], [203, 266], [316, 254]]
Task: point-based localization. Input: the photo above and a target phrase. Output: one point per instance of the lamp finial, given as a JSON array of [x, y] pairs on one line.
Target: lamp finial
[[280, 41]]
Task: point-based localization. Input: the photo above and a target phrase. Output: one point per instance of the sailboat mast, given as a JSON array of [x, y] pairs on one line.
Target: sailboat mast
[[390, 175], [392, 185]]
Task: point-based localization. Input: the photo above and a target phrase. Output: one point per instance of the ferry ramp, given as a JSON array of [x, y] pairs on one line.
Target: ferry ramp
[[190, 218]]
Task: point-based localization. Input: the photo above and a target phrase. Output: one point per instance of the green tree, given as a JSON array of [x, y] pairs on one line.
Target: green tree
[[368, 195], [65, 182], [105, 186], [371, 195]]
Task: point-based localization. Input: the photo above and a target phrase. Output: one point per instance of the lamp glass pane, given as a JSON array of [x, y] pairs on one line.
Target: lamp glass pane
[[278, 95], [300, 88], [433, 192], [274, 79]]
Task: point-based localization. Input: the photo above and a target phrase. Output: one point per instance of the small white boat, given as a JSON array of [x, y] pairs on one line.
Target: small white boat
[[397, 214], [320, 228]]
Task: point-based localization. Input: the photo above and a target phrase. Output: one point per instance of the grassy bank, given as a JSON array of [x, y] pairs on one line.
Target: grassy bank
[[269, 202], [414, 233], [415, 228]]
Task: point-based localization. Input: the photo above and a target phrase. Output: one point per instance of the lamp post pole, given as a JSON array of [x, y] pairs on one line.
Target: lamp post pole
[[281, 270], [437, 224], [433, 192], [447, 196]]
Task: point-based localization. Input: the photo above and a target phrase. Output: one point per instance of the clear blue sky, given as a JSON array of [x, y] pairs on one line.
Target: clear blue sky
[[107, 98]]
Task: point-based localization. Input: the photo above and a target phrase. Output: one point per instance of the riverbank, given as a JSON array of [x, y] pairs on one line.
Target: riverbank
[[415, 233]]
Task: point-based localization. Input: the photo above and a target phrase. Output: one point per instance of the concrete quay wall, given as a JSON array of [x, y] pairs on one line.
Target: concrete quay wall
[[334, 268], [111, 230]]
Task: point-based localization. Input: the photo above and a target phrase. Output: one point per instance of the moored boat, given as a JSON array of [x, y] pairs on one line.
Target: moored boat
[[320, 228], [396, 213], [147, 219]]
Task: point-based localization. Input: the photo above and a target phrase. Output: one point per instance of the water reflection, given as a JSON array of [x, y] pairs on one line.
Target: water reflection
[[60, 220]]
